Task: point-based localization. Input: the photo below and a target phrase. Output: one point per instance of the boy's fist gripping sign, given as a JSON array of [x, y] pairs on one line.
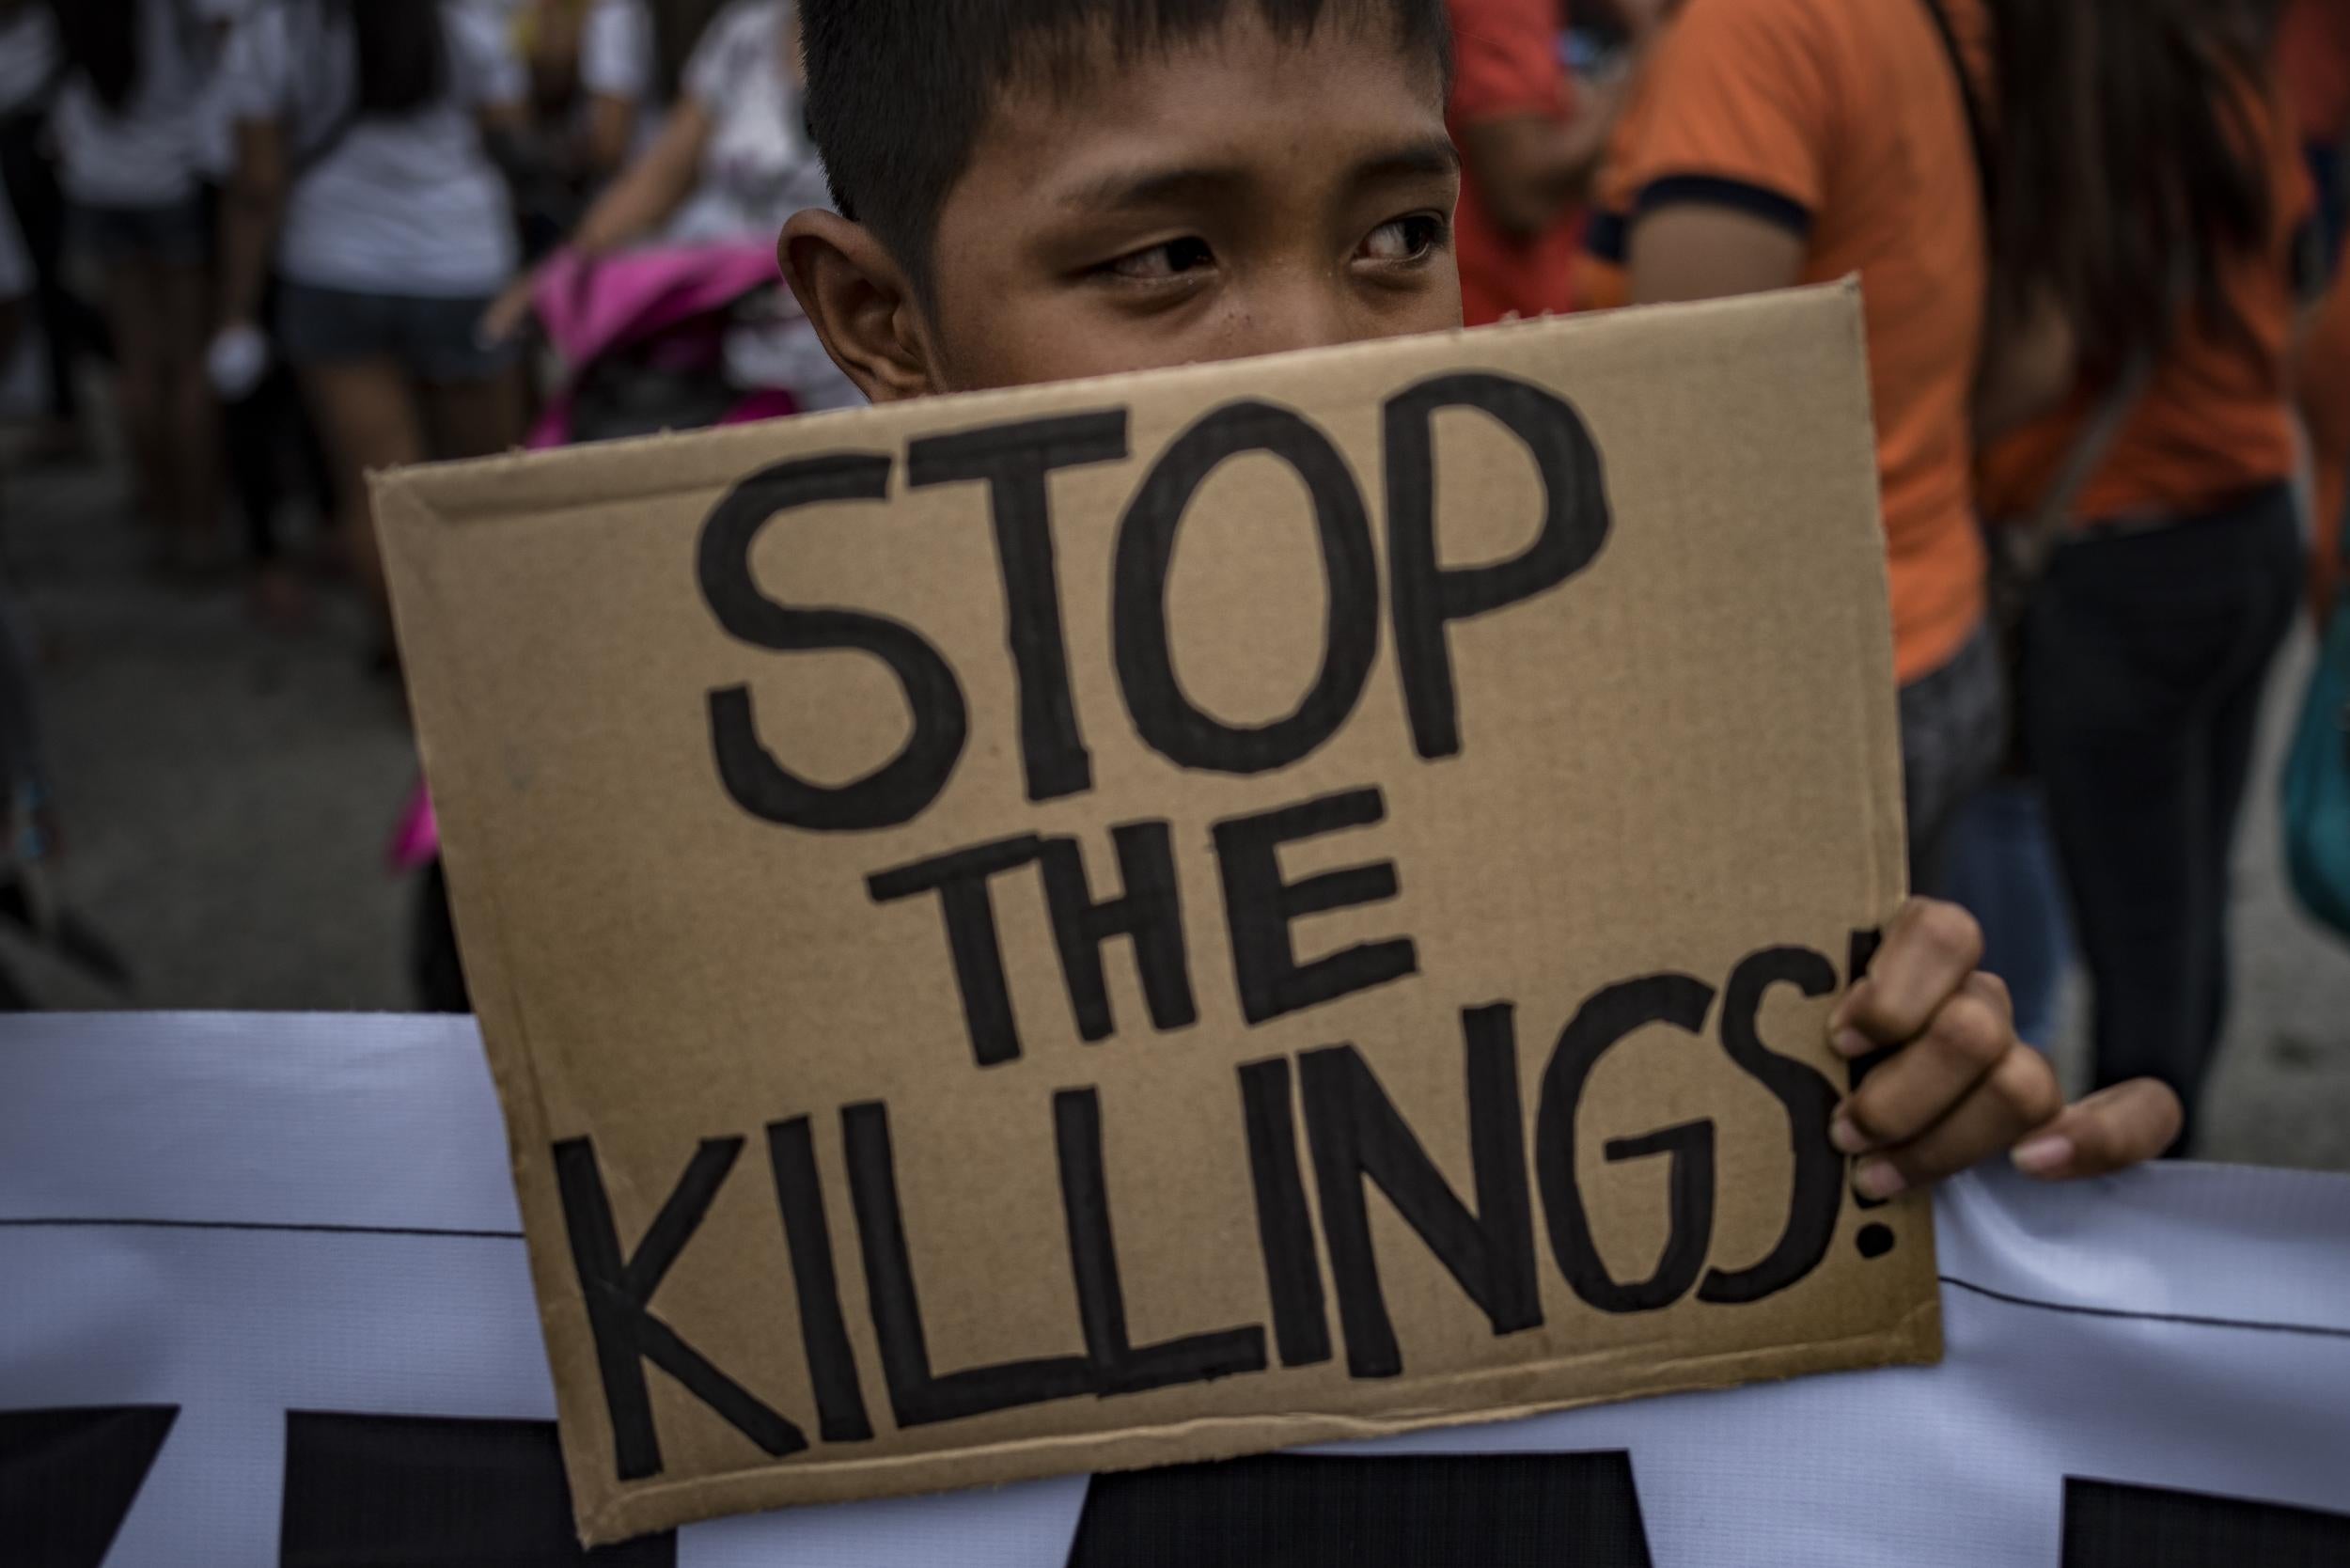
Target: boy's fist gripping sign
[[1955, 1085]]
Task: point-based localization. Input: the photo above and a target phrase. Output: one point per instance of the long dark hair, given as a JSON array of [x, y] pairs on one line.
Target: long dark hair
[[404, 59], [2129, 166], [101, 39]]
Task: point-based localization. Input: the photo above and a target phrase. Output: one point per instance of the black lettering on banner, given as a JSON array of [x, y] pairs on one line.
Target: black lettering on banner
[[831, 1359], [1163, 715], [900, 790], [1119, 1367], [1331, 1511], [1285, 1228], [961, 880], [1818, 1192], [1014, 460], [618, 1293], [435, 1489], [1259, 907], [918, 1397], [67, 1478], [1429, 596], [2110, 1524], [1149, 909], [1604, 1019], [1356, 1132]]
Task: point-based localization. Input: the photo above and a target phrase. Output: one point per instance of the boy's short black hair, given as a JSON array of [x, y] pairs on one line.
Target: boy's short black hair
[[898, 90]]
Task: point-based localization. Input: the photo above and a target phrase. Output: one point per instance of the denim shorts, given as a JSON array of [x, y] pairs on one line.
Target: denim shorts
[[177, 233], [432, 339]]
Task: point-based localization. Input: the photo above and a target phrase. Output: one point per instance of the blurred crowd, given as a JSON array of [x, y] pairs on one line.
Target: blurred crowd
[[302, 240], [2111, 431], [309, 237]]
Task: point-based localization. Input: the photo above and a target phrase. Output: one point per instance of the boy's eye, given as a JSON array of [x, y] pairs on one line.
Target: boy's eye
[[1171, 259], [1405, 238]]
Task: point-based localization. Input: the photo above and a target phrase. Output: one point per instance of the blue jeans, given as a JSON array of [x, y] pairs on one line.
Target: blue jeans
[[2000, 862]]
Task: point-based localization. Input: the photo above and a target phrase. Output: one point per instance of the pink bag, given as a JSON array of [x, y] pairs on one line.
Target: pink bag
[[667, 304]]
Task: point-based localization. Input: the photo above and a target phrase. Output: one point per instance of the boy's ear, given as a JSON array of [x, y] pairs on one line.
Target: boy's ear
[[861, 302]]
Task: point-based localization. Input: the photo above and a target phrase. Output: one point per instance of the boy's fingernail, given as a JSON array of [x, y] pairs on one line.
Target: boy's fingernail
[[1877, 1179], [1851, 1043], [1844, 1131], [2041, 1156]]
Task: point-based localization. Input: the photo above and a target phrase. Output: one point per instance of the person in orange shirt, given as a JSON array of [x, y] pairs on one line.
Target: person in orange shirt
[[2150, 637], [1793, 141], [1530, 142]]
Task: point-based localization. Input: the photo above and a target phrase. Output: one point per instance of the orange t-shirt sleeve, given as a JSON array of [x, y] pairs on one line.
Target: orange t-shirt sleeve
[[1505, 59], [1741, 105]]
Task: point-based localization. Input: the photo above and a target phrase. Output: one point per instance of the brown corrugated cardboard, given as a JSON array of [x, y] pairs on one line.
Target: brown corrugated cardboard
[[1167, 916]]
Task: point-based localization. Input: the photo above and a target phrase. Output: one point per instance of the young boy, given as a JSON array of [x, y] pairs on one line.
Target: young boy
[[1031, 189]]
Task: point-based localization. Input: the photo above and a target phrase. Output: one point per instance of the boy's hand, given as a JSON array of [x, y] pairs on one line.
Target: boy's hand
[[1960, 1085]]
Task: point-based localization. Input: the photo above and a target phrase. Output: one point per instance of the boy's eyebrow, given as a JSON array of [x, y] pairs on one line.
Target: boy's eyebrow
[[1431, 155], [1147, 187]]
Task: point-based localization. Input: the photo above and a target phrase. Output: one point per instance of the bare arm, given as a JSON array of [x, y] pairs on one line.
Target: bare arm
[[254, 206], [654, 187], [1694, 251]]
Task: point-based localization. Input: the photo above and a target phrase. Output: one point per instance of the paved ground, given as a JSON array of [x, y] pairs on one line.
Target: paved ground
[[227, 791]]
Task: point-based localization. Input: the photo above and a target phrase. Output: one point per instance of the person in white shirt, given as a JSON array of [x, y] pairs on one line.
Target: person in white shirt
[[731, 162], [753, 164], [125, 124], [364, 179]]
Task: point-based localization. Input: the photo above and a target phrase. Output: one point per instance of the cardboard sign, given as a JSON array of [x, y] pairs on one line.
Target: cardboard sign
[[1174, 916]]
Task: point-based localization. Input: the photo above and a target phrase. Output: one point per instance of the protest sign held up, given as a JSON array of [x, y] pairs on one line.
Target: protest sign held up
[[1174, 916]]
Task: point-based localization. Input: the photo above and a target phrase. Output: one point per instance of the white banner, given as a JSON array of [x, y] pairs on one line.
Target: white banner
[[263, 1301]]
